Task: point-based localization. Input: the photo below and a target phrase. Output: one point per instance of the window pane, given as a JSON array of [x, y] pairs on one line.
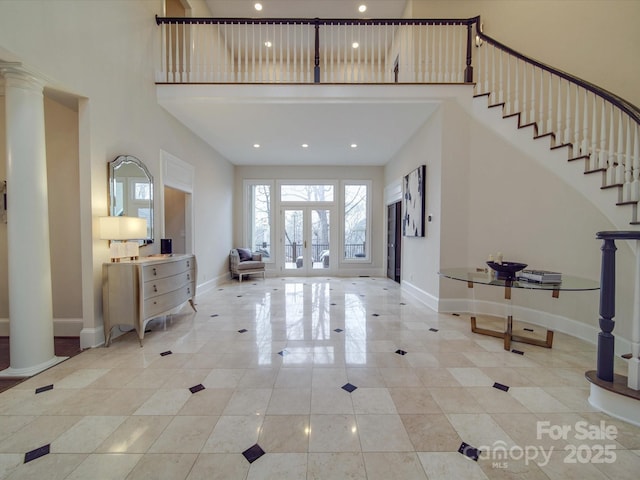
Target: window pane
[[306, 193], [260, 219], [355, 221]]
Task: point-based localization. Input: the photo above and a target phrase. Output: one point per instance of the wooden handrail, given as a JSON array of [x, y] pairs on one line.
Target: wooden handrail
[[624, 105], [320, 21]]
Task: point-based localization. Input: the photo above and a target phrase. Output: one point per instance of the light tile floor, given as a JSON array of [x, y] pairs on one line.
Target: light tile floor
[[273, 356]]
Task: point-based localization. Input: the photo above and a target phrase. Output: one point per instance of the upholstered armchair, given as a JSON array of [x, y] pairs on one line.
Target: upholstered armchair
[[243, 261]]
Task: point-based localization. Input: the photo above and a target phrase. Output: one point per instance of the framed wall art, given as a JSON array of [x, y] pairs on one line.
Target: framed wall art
[[413, 203]]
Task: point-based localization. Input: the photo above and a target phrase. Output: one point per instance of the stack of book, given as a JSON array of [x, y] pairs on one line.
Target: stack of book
[[540, 276]]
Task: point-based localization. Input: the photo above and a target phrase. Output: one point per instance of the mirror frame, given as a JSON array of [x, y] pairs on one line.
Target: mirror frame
[[113, 166]]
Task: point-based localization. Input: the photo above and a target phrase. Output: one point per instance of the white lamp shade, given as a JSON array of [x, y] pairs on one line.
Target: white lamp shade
[[123, 228]]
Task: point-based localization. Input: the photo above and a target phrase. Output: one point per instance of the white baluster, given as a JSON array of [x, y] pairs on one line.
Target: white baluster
[[541, 103], [462, 62], [516, 88], [567, 113], [253, 52], [628, 164], [633, 373], [507, 97], [485, 53], [635, 188], [576, 124], [500, 88], [620, 167], [440, 59], [611, 156], [584, 149], [433, 77], [532, 111], [595, 158], [525, 95], [558, 130], [602, 154], [170, 46], [549, 128]]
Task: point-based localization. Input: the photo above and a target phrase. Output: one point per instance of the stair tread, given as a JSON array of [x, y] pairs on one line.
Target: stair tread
[[581, 157]]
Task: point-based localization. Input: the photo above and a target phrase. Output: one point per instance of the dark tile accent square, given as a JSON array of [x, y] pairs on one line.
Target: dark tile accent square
[[469, 451], [253, 453], [348, 387], [164, 354], [213, 315], [519, 352], [333, 304], [197, 388], [44, 389], [37, 453], [500, 386], [338, 330], [239, 296], [282, 353], [400, 352], [433, 329], [528, 329], [244, 330], [376, 315], [455, 314], [402, 303]]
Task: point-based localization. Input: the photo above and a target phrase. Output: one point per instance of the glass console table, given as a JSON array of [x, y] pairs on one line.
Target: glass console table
[[486, 276]]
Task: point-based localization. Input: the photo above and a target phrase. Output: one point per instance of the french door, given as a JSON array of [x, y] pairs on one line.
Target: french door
[[306, 240]]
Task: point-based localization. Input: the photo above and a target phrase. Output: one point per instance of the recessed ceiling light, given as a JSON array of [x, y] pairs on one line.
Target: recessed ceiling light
[[305, 145], [354, 145], [258, 6], [267, 44], [355, 44], [256, 145], [362, 8]]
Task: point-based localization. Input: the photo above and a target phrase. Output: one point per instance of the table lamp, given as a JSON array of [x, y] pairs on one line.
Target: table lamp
[[122, 231]]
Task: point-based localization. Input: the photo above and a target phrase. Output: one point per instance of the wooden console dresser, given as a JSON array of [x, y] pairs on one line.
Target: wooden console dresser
[[134, 292]]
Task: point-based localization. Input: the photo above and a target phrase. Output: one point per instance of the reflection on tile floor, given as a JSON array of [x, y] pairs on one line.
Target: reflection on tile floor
[[263, 366]]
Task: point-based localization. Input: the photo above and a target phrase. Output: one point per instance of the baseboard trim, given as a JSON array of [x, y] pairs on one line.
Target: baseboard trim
[[91, 337], [423, 297], [62, 327]]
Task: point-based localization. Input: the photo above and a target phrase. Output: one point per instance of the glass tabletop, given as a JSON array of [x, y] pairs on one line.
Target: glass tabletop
[[487, 277]]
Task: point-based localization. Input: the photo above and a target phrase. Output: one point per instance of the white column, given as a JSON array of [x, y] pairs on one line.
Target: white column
[[29, 262]]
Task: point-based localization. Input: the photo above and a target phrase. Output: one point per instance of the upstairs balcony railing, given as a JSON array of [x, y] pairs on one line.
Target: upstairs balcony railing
[[242, 50], [598, 126]]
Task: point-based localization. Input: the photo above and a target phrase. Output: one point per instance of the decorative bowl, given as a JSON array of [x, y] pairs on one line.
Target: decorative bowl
[[507, 269]]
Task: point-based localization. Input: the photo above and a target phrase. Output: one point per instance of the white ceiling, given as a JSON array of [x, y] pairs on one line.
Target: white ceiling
[[307, 8], [280, 118]]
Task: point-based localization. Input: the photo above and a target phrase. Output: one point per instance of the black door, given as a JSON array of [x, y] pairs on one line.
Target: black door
[[394, 236]]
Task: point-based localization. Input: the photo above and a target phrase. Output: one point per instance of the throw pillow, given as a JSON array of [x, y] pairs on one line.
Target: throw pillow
[[244, 254]]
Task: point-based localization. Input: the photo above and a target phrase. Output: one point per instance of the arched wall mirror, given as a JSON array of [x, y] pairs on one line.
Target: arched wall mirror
[[131, 191]]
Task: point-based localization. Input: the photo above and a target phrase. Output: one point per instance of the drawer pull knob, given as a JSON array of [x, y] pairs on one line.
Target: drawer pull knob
[[155, 289], [188, 264], [188, 277], [188, 290], [154, 271]]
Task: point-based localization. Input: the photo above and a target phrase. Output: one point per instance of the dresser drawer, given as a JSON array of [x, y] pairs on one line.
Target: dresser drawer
[[161, 270], [160, 286], [156, 306]]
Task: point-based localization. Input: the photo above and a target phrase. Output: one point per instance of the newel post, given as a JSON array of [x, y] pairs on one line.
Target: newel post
[[468, 71], [316, 68], [606, 339]]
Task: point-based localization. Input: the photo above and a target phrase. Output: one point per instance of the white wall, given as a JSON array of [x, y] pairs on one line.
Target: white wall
[[596, 40], [487, 196], [103, 53]]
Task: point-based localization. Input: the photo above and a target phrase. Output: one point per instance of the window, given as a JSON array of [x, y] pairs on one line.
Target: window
[[356, 220], [306, 193], [259, 207]]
